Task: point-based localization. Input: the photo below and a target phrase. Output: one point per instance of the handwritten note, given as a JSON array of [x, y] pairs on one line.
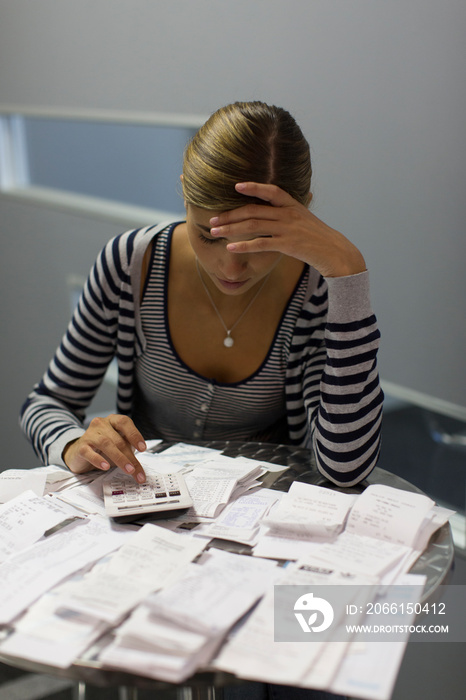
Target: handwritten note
[[14, 481], [389, 514], [25, 518], [310, 510]]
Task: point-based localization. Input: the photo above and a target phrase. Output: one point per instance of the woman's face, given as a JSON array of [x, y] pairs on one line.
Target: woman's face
[[232, 273]]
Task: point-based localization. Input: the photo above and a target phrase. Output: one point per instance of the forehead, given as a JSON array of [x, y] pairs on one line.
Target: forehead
[[200, 215], [200, 218]]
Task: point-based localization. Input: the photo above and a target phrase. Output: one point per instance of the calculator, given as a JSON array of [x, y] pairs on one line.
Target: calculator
[[126, 500]]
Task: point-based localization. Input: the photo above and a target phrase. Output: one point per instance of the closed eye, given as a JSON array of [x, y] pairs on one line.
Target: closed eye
[[208, 241]]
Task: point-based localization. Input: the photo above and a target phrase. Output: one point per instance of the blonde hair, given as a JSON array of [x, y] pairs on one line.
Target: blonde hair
[[245, 141]]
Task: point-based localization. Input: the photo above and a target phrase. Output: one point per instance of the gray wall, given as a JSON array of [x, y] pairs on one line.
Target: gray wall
[[378, 88], [39, 248]]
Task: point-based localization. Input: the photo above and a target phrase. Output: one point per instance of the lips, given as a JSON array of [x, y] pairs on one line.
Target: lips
[[226, 284]]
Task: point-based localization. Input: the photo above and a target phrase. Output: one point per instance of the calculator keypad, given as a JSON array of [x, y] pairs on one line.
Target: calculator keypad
[[168, 490], [161, 486]]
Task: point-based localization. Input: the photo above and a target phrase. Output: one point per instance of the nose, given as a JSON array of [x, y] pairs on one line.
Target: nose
[[233, 266]]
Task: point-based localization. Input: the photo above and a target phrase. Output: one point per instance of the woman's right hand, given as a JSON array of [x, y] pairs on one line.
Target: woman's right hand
[[107, 442]]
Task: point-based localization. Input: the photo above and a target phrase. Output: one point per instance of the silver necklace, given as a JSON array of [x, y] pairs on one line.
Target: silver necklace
[[228, 340]]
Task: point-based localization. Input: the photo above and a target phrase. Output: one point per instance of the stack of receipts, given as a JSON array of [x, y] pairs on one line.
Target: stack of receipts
[[240, 521], [34, 569], [215, 482], [381, 532], [178, 629], [251, 650], [146, 563], [60, 626], [163, 601], [294, 516], [26, 518], [328, 661]]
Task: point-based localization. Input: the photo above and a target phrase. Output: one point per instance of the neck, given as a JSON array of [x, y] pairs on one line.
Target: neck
[[229, 328]]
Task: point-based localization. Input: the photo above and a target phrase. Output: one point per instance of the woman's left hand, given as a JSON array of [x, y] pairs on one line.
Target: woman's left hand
[[286, 227]]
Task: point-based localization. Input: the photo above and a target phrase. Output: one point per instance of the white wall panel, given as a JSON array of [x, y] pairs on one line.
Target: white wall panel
[[377, 86]]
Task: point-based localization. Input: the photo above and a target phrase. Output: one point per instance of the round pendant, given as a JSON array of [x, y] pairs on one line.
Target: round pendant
[[228, 342]]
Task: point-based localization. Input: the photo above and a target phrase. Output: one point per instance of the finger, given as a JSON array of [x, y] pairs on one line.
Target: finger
[[262, 244], [248, 230], [253, 212], [86, 455], [269, 193], [126, 428], [108, 439], [123, 458], [79, 457]]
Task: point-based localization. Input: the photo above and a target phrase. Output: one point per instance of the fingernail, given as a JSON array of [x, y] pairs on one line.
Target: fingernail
[[214, 231], [213, 221], [105, 465], [240, 186], [129, 468], [141, 478], [141, 446], [231, 246]]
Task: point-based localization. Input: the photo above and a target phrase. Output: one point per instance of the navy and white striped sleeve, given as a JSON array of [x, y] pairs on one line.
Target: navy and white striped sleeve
[[338, 399], [54, 412]]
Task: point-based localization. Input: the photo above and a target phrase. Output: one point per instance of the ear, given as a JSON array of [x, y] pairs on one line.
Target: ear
[[309, 198]]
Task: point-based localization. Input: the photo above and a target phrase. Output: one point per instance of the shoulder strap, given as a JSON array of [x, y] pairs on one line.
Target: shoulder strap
[[143, 240], [138, 268]]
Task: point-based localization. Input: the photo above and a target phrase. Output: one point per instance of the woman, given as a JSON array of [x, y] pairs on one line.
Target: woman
[[250, 320]]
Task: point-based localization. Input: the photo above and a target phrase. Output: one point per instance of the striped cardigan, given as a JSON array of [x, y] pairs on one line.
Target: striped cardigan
[[333, 397]]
